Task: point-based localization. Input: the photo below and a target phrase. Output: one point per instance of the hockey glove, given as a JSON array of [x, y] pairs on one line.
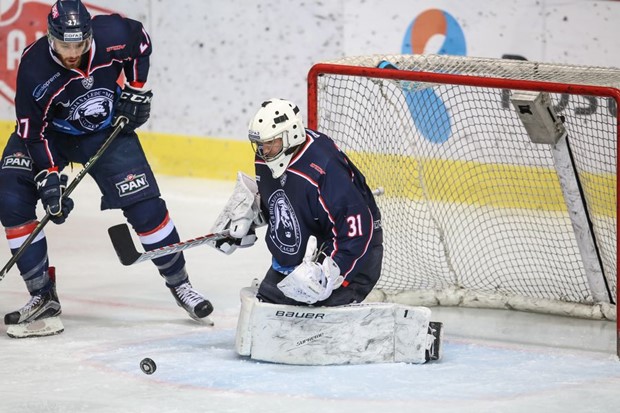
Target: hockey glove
[[135, 105], [312, 282], [51, 185]]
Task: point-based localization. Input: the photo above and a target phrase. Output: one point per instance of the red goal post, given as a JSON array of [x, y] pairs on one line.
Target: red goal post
[[499, 177]]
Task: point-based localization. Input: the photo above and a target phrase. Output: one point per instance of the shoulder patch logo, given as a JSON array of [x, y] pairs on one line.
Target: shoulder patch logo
[[317, 168], [40, 90], [115, 48]]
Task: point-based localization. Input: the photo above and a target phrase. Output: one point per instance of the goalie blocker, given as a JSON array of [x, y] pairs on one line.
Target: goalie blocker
[[352, 334]]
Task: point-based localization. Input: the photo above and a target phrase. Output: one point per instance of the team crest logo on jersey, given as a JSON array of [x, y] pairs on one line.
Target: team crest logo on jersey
[[132, 184], [284, 229], [17, 161], [88, 82], [91, 109]]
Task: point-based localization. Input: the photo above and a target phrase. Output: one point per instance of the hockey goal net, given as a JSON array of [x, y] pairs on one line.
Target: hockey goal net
[[498, 176]]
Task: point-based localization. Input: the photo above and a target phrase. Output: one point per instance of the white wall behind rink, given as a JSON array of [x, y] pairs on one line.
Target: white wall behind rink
[[214, 62]]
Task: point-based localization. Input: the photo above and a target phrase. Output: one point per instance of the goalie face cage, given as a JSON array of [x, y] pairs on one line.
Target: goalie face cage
[[483, 206]]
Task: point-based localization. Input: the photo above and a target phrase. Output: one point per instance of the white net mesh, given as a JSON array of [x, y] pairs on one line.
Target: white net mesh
[[473, 211]]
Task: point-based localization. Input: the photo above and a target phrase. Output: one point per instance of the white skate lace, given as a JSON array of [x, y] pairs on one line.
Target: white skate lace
[[30, 304], [188, 295]]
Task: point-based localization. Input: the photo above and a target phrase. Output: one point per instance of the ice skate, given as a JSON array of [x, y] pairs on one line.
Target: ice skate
[[39, 317], [434, 344], [192, 301]]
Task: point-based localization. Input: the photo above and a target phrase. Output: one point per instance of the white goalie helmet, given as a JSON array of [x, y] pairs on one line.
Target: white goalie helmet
[[275, 132]]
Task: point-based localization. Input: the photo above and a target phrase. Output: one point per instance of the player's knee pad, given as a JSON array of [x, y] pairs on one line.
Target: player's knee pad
[[155, 229], [16, 208], [18, 202], [146, 215]]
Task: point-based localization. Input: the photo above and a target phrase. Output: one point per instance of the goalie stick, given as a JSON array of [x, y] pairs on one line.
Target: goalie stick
[[129, 255]]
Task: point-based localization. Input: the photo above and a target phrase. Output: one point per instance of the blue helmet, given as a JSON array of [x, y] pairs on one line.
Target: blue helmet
[[69, 21]]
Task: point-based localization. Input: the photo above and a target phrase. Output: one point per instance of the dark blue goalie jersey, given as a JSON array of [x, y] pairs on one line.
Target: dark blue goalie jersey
[[52, 99], [323, 194]]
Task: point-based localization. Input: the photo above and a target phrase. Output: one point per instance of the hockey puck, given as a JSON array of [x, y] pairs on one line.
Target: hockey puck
[[148, 366]]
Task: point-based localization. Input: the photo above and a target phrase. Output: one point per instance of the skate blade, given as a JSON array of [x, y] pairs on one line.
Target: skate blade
[[205, 321], [38, 328]]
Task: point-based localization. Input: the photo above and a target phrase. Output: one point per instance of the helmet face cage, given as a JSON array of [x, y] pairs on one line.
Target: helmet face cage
[[69, 22], [275, 131], [272, 143]]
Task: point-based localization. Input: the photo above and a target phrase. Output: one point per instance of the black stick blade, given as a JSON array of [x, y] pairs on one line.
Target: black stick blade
[[123, 244]]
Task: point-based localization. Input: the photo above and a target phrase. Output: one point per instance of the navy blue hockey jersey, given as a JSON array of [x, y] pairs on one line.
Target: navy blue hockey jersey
[[51, 98], [323, 194]]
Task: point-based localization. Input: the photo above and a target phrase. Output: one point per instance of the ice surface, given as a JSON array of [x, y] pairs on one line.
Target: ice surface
[[114, 316]]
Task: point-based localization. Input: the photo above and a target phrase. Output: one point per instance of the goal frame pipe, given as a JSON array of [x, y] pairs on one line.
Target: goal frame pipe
[[474, 81]]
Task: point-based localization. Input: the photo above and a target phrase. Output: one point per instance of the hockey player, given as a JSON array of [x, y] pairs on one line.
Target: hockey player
[[67, 99], [324, 227]]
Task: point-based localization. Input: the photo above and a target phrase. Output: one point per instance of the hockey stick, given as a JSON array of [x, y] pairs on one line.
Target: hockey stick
[[129, 255], [121, 121]]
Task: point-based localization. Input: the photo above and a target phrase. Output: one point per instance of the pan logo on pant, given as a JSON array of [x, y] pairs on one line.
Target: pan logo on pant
[[132, 184], [17, 161]]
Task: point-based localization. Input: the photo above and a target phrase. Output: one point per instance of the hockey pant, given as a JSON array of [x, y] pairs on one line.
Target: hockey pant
[[125, 180]]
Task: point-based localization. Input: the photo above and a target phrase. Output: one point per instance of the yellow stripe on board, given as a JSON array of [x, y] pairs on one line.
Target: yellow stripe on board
[[178, 155], [473, 183], [6, 128], [197, 157], [451, 181]]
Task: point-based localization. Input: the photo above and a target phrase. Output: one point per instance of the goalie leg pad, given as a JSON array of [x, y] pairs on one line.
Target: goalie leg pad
[[243, 339], [352, 334]]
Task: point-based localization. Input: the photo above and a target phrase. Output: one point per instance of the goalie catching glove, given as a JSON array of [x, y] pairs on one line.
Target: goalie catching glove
[[311, 282], [240, 217]]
